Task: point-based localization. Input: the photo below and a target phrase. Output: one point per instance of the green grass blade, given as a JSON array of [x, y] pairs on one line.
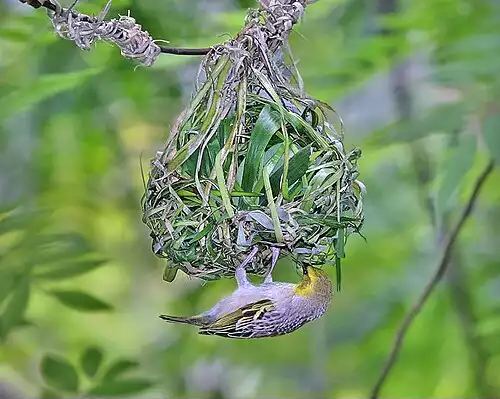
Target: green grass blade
[[286, 162], [338, 271], [297, 168], [43, 88], [221, 182], [265, 127], [272, 206]]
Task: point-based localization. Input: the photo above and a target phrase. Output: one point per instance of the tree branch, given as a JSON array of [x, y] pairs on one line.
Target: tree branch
[[134, 42], [49, 5], [438, 275]]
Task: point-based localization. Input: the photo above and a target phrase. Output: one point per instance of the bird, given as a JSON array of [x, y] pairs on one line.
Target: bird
[[265, 310]]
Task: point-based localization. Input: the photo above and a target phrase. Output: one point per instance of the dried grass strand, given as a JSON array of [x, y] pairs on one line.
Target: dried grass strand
[[124, 32]]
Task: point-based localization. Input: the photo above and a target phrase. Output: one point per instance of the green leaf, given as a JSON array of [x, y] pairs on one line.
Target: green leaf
[[6, 284], [221, 181], [69, 269], [241, 194], [491, 133], [447, 118], [59, 248], [185, 194], [339, 246], [267, 125], [273, 159], [80, 301], [25, 323], [42, 88], [485, 43], [199, 235], [327, 221], [169, 273], [211, 151], [454, 168], [91, 361], [119, 368], [15, 309], [121, 387], [338, 272], [20, 220], [49, 394], [59, 374], [299, 163], [272, 206]]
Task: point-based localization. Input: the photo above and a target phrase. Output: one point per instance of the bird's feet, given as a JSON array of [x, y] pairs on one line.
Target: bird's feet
[[276, 254], [241, 274]]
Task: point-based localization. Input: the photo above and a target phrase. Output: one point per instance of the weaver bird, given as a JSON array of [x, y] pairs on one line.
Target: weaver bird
[[266, 310]]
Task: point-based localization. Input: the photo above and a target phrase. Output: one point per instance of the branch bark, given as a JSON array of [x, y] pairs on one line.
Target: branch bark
[[432, 284]]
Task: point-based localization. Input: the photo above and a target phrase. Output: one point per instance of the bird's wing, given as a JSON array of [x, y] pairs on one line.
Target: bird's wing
[[238, 323]]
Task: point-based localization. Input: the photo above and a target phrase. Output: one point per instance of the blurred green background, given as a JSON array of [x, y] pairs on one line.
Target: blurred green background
[[417, 85]]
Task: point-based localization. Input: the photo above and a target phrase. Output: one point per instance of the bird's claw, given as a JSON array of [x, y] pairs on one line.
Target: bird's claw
[[241, 274], [275, 256], [250, 257]]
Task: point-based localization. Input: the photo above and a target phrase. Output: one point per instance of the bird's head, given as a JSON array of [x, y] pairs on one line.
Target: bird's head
[[314, 282]]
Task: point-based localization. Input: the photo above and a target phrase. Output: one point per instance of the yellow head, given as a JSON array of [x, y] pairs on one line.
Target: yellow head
[[315, 282]]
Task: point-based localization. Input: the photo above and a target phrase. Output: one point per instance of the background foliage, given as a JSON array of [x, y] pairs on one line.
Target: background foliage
[[417, 84]]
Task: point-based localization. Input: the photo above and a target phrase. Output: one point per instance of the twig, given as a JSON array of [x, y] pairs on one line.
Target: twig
[[49, 5], [440, 271]]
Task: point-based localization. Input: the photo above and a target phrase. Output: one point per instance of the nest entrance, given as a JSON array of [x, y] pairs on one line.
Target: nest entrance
[[252, 162]]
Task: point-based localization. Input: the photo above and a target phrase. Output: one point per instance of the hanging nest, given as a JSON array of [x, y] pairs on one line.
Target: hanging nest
[[252, 161]]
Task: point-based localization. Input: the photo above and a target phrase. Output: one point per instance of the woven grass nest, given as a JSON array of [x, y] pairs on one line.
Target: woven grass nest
[[252, 161]]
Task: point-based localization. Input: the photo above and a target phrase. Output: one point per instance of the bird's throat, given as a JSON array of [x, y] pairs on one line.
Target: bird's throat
[[305, 287]]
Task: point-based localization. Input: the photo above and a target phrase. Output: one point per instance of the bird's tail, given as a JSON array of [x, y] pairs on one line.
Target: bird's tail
[[194, 320]]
